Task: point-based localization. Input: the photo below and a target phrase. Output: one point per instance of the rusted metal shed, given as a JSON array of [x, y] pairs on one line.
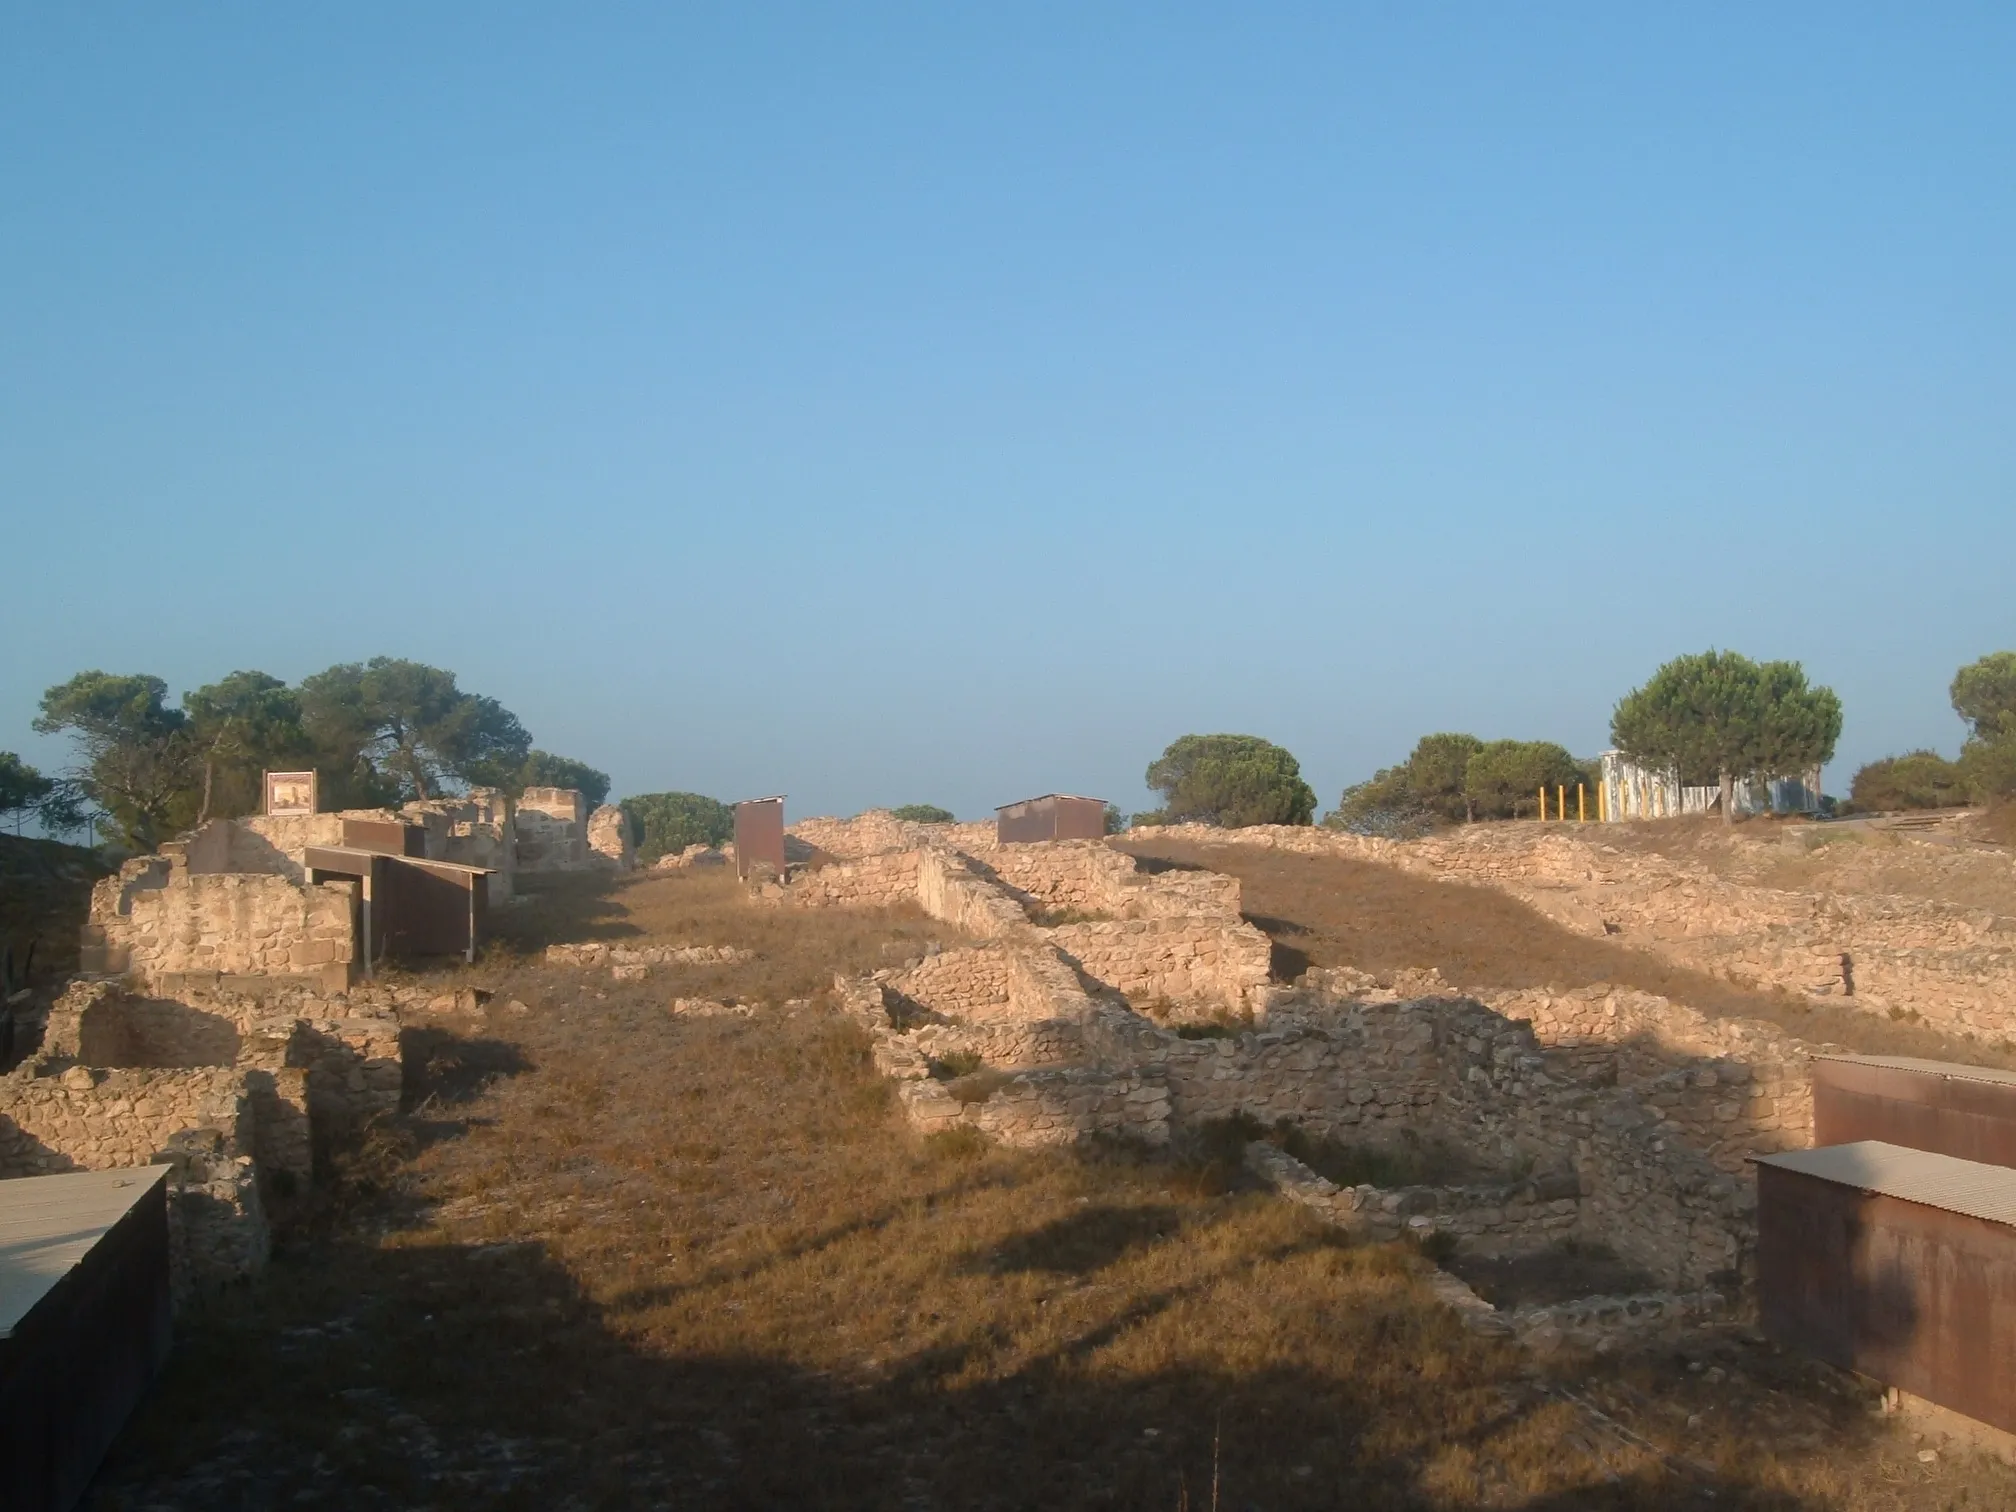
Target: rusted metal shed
[[1054, 816], [759, 836], [1897, 1263], [84, 1323], [388, 837], [408, 906], [1942, 1106]]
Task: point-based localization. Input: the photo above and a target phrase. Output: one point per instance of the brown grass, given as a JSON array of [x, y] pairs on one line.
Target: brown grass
[[618, 1259], [1334, 911]]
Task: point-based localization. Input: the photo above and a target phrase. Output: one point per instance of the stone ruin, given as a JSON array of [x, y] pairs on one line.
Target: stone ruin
[[1103, 998], [223, 1022]]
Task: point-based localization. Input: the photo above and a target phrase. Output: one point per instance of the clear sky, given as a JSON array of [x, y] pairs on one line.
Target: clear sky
[[888, 404]]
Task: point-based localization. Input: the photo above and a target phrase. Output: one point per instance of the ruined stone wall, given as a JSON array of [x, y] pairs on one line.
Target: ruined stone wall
[[1046, 1107], [1197, 967], [200, 1122], [959, 982], [156, 921], [475, 829], [873, 882], [609, 838], [1955, 967], [1092, 877], [868, 834], [551, 826], [1508, 1218]]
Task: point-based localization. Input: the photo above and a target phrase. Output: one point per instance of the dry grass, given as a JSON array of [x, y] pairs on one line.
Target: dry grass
[[45, 894], [1335, 911], [614, 1258]]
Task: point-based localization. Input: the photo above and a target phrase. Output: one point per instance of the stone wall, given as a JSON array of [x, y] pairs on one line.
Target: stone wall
[[1047, 1107], [1503, 1218], [475, 829], [551, 825], [609, 838], [878, 881], [156, 920], [1954, 967], [1196, 967], [198, 1121]]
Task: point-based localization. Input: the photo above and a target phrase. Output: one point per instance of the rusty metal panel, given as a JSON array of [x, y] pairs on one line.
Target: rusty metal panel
[[1054, 816], [1912, 1295], [387, 837], [759, 836], [427, 909], [1957, 1110]]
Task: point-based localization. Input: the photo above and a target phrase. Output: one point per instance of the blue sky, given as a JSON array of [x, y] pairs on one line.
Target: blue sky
[[884, 404]]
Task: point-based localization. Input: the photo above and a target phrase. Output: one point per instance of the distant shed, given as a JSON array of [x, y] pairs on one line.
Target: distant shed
[[1897, 1263], [1950, 1109], [1054, 816], [84, 1323]]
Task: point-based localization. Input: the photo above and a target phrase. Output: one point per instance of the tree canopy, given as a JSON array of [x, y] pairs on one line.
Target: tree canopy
[[138, 756], [1231, 781], [241, 727], [1720, 713], [1984, 694], [412, 727], [923, 813], [1425, 789], [21, 786], [1502, 780], [664, 823]]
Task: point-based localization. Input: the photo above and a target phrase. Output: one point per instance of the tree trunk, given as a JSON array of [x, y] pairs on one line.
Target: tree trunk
[[1728, 797], [209, 770]]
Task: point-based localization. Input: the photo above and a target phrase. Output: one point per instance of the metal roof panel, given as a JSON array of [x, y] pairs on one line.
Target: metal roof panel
[[48, 1224], [1938, 1181]]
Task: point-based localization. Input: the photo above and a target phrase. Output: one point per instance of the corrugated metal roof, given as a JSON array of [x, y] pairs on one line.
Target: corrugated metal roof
[[1940, 1181], [1075, 797], [1953, 1069], [49, 1223]]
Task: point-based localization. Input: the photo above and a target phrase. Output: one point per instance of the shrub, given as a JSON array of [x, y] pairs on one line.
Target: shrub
[[1915, 780], [666, 823], [922, 813], [1503, 779]]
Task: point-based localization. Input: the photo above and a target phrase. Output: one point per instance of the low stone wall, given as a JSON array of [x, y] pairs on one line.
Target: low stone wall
[[1090, 876], [198, 1121], [1045, 1107], [867, 834], [156, 920], [1198, 967], [1954, 967], [959, 983], [878, 881], [1502, 1218]]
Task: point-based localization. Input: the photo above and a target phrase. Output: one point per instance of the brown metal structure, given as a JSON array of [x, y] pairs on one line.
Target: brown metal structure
[[84, 1324], [1951, 1109], [759, 836], [388, 837], [1054, 816], [1897, 1263], [408, 906]]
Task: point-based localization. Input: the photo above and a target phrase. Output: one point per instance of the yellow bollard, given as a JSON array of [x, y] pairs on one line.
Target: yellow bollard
[[1581, 805], [1543, 803], [1561, 801]]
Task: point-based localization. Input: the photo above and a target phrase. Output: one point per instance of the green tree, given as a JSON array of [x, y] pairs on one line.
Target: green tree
[[544, 769], [21, 786], [1116, 820], [922, 813], [138, 758], [408, 726], [1724, 714], [1984, 694], [242, 727], [663, 823], [1231, 781], [1915, 780], [1502, 780]]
